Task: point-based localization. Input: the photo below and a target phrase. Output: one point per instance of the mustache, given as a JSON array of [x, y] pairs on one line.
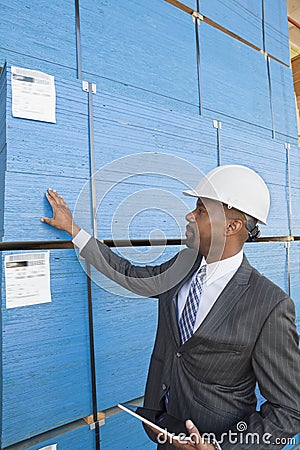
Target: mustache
[[189, 229]]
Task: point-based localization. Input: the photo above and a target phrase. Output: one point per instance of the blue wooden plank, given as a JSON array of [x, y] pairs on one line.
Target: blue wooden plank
[[242, 18], [147, 147], [295, 278], [2, 188], [3, 95], [46, 355], [25, 203], [268, 158], [294, 154], [126, 325], [48, 148], [276, 29], [81, 439], [295, 193], [234, 79], [292, 443], [148, 206], [123, 431], [40, 35], [270, 259], [125, 126], [144, 49], [283, 99], [191, 3]]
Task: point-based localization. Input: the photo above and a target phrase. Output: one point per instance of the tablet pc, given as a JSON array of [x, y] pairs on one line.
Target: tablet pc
[[167, 433]]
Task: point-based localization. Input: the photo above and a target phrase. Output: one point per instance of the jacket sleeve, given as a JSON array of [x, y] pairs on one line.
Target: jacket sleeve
[[276, 364], [148, 281]]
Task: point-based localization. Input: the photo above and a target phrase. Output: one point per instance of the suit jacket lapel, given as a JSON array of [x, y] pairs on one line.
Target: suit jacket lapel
[[227, 299]]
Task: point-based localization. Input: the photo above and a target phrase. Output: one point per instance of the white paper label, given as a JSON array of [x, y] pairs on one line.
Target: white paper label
[[49, 447], [33, 95], [27, 279]]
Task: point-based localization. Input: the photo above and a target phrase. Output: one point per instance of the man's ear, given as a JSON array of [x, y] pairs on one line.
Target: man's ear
[[233, 226]]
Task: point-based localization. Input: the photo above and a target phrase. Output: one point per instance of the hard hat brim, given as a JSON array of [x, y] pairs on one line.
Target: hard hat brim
[[192, 193]]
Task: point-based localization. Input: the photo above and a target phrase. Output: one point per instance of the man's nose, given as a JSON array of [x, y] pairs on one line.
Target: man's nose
[[190, 217]]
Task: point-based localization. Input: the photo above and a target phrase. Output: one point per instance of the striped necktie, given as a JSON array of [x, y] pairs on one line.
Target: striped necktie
[[189, 313]]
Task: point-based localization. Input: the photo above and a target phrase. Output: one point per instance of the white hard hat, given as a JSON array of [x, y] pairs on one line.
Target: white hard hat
[[238, 187]]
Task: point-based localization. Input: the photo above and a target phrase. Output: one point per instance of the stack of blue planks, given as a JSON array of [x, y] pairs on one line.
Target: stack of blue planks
[[160, 96]]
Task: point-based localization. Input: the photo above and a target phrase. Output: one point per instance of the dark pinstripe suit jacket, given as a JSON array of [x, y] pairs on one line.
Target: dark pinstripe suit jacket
[[248, 336]]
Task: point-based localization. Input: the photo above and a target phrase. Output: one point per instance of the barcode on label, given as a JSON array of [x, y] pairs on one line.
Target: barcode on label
[[27, 257]]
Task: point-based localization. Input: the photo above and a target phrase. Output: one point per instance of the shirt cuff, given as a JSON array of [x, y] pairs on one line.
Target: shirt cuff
[[81, 239]]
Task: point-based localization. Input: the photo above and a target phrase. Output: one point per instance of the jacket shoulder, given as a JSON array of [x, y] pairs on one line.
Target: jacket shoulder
[[268, 292]]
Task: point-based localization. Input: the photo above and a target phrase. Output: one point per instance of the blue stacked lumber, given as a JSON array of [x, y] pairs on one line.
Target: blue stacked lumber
[[82, 438], [293, 443], [294, 153], [41, 155], [242, 18], [270, 259], [3, 91], [25, 203], [124, 333], [143, 58], [146, 49], [2, 186], [295, 278], [132, 210], [276, 30], [283, 101], [3, 94], [39, 35], [45, 355], [234, 79], [268, 158], [151, 148], [124, 336], [123, 431]]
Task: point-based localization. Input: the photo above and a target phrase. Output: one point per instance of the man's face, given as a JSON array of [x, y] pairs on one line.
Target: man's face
[[206, 227]]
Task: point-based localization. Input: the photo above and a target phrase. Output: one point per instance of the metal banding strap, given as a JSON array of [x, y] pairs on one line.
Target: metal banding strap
[[92, 356], [197, 36], [263, 24], [288, 244], [218, 126], [91, 90], [288, 173], [78, 41], [271, 96], [288, 261], [267, 57], [211, 22]]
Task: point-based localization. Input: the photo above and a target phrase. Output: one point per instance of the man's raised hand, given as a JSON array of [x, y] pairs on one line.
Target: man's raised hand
[[62, 216]]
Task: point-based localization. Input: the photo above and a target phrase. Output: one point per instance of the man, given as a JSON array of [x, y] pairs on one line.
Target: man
[[222, 325]]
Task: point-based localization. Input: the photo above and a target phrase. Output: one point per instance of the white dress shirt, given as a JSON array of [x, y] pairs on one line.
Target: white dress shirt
[[81, 239], [218, 274]]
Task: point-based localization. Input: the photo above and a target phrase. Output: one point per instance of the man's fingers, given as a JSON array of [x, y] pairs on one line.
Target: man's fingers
[[53, 196], [47, 220], [193, 432]]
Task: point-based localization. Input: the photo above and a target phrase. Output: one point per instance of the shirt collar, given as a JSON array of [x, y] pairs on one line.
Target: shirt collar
[[218, 269]]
